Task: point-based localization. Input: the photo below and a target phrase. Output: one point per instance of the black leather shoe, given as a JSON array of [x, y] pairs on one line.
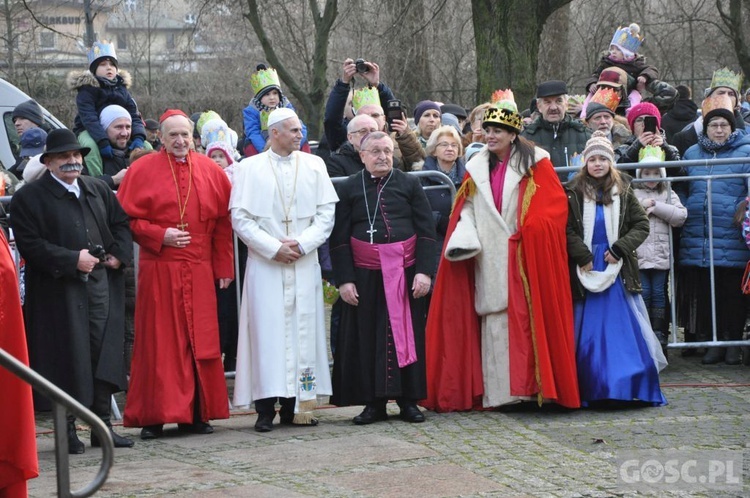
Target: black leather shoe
[[75, 445], [370, 415], [120, 441], [410, 413], [265, 422], [714, 356], [196, 428], [152, 432], [733, 355]]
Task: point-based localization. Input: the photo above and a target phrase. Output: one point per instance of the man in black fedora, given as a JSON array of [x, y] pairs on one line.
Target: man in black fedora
[[75, 239], [555, 131]]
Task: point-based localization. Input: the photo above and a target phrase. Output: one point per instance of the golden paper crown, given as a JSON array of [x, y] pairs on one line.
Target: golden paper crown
[[504, 99], [651, 154], [503, 112], [365, 96], [726, 77], [714, 101], [607, 97], [264, 78]]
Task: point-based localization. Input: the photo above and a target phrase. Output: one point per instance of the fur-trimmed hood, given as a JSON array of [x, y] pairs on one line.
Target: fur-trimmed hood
[[77, 79]]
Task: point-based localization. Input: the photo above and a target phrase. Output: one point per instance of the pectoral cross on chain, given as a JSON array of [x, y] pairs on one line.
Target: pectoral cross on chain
[[371, 231], [286, 222], [182, 225]]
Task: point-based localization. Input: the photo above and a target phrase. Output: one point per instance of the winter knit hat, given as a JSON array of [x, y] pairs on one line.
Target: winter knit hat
[[598, 145], [29, 110], [223, 147], [112, 112], [423, 106], [644, 109]]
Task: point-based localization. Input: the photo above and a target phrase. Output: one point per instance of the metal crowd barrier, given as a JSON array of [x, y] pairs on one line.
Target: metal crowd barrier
[[709, 179]]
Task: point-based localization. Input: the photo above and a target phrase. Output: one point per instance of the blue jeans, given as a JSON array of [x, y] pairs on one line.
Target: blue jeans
[[654, 284]]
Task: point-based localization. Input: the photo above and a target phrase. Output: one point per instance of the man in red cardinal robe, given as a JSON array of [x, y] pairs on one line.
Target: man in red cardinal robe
[[178, 203]]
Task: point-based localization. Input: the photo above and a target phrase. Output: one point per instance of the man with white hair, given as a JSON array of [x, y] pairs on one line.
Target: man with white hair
[[346, 160], [117, 123], [282, 208], [178, 203]]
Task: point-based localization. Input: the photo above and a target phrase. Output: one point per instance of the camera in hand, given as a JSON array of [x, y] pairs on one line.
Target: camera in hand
[[393, 111], [98, 252], [361, 66]]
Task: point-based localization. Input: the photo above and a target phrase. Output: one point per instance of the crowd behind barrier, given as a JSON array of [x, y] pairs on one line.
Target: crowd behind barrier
[[447, 184]]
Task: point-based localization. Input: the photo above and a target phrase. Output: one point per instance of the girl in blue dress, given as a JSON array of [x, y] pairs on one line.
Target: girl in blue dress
[[617, 354]]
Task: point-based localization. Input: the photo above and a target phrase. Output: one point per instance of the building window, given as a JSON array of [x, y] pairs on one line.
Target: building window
[[170, 41], [47, 40], [122, 41]]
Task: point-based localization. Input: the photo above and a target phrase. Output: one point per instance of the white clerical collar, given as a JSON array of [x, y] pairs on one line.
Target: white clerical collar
[[275, 157], [74, 188]]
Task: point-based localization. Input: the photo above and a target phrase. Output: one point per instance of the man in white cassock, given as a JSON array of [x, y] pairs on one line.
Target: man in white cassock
[[283, 206]]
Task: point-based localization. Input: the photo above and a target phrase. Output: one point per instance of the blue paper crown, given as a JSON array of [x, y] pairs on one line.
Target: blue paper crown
[[628, 38], [101, 49]]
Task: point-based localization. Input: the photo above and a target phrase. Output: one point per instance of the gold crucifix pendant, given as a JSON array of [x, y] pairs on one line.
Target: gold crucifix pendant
[[182, 225]]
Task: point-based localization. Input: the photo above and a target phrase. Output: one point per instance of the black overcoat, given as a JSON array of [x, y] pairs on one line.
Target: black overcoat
[[50, 231]]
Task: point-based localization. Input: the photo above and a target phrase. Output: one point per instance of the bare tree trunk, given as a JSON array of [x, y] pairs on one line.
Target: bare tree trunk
[[507, 36], [734, 20], [312, 100], [10, 34], [407, 51]]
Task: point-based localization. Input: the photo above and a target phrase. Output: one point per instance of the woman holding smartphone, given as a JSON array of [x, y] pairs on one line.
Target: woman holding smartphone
[[644, 120]]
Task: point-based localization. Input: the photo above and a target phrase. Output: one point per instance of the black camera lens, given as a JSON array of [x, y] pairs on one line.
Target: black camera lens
[[361, 66]]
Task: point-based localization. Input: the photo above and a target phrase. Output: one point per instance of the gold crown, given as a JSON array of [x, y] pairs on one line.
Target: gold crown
[[714, 101], [264, 78], [726, 77], [607, 97], [503, 117], [365, 96], [651, 154]]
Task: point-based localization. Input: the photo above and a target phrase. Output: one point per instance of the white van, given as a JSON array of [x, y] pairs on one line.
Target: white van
[[10, 97]]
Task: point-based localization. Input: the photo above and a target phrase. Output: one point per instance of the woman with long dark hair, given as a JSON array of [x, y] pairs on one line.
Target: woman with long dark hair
[[500, 327]]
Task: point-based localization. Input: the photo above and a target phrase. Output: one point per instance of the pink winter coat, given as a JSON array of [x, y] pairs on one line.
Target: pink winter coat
[[668, 210]]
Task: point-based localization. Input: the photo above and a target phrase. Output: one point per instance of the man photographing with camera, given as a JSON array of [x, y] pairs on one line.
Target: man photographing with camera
[[370, 101], [75, 303]]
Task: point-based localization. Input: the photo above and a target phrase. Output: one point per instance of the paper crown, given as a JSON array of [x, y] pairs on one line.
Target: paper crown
[[727, 78], [101, 49], [628, 38], [365, 96], [607, 97], [504, 99], [206, 117], [503, 111], [651, 154], [714, 101], [264, 78]]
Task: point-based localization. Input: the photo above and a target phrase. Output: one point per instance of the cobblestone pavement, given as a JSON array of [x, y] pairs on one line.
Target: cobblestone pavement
[[523, 451]]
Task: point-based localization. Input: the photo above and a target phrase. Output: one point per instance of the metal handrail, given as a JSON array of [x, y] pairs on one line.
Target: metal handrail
[[62, 404]]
